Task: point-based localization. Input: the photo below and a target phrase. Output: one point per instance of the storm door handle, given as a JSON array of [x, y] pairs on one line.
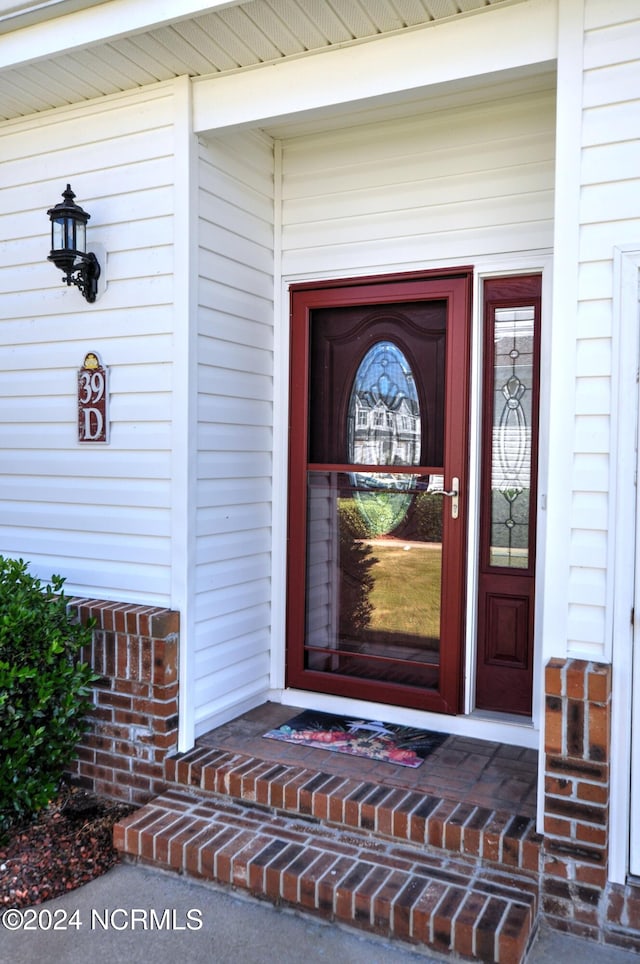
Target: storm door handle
[[454, 495]]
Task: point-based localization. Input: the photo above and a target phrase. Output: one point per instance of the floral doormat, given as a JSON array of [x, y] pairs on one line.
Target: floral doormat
[[402, 745]]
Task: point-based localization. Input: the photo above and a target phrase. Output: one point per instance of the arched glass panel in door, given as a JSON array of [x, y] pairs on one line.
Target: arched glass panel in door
[[384, 428]]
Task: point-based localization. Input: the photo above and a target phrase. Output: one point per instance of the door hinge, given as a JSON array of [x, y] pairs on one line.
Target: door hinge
[[633, 615]]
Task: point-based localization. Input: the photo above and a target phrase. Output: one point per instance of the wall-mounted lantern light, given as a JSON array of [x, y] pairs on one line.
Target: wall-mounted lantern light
[[68, 243]]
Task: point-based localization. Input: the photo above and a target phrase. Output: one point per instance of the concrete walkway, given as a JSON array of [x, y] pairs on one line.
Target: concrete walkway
[[141, 916]]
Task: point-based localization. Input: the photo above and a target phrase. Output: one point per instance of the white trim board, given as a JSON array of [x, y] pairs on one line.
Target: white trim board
[[623, 565]]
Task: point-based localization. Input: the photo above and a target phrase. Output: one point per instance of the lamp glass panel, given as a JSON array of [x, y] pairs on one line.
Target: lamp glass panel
[[70, 234], [81, 235], [57, 234]]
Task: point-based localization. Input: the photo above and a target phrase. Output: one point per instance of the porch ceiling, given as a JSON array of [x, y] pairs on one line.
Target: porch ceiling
[[232, 37]]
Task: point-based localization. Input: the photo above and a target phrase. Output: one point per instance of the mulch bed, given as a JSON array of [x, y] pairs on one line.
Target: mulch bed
[[63, 847]]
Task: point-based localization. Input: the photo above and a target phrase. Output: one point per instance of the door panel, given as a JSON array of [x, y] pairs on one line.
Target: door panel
[[379, 405], [504, 673]]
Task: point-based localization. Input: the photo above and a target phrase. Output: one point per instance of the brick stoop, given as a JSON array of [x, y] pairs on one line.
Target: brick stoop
[[449, 877]]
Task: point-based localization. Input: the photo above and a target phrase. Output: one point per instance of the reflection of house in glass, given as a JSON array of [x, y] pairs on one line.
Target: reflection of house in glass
[[384, 414], [383, 436]]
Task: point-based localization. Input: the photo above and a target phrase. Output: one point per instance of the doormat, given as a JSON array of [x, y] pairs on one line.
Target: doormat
[[402, 745]]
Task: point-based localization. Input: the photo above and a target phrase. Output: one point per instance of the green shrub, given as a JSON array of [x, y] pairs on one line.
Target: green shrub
[[428, 516], [351, 519], [44, 690], [376, 513]]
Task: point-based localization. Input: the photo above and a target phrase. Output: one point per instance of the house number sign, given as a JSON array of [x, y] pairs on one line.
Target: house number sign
[[93, 421]]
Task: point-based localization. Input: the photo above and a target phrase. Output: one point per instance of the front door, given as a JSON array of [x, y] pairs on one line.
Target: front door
[[378, 483]]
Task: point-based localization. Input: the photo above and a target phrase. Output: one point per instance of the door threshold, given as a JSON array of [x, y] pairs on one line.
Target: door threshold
[[497, 728], [513, 719]]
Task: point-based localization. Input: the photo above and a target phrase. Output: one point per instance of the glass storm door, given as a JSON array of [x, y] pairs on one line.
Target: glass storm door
[[378, 476]]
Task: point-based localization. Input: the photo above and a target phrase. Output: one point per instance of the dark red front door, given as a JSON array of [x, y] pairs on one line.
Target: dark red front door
[[378, 483]]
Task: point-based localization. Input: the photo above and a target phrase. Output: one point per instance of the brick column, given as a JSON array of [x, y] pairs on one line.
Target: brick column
[[576, 822], [135, 721]]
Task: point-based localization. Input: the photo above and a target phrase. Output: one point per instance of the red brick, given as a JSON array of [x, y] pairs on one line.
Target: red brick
[[593, 792], [292, 875], [454, 827], [242, 860], [291, 791], [531, 851], [598, 731], [365, 895], [438, 821], [556, 868], [597, 836], [179, 841], [443, 918], [557, 827], [599, 683], [109, 698], [553, 725], [257, 866], [424, 908], [312, 876], [224, 856], [322, 798], [626, 941], [112, 760], [615, 904], [589, 874], [133, 687], [576, 679], [385, 814], [493, 836], [488, 928], [514, 933], [274, 870], [465, 923], [383, 901], [575, 810], [329, 882], [591, 770], [553, 677], [164, 623], [575, 729], [558, 786], [403, 906], [346, 890]]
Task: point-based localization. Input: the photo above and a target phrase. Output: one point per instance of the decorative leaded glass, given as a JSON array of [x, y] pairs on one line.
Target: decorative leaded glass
[[511, 438]]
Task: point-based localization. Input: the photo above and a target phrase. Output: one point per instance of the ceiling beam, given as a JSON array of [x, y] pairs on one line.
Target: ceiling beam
[[498, 39]]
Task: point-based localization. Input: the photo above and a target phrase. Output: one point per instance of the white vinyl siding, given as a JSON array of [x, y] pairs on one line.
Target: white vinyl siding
[[235, 413], [439, 187], [609, 216], [322, 583], [97, 514]]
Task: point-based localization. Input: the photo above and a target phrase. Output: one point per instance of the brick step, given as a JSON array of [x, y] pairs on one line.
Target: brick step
[[437, 901], [498, 837]]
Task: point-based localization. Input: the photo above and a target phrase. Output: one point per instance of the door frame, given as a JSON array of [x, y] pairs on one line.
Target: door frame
[[456, 286], [623, 564]]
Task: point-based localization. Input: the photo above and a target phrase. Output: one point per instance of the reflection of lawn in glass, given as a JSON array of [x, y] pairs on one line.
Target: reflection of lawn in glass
[[406, 592]]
